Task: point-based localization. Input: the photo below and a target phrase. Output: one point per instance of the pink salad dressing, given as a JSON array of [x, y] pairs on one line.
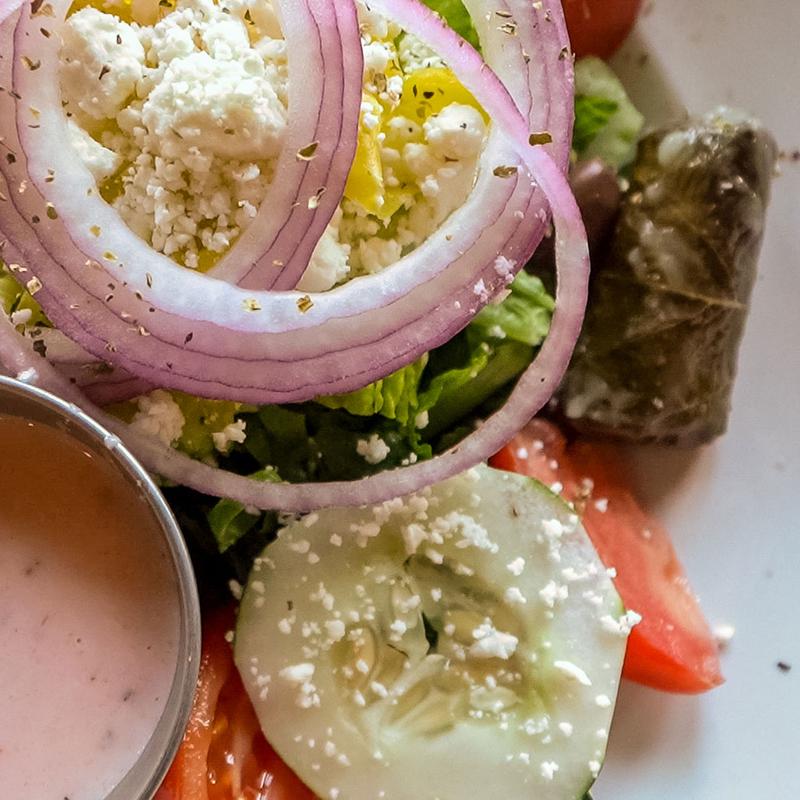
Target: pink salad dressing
[[89, 619]]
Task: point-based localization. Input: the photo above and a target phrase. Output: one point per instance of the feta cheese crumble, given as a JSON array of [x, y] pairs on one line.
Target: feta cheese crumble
[[553, 593], [101, 161], [621, 626], [513, 596], [373, 450], [188, 114], [603, 701], [491, 643], [548, 770], [93, 40], [516, 566], [723, 634], [235, 432], [414, 54], [159, 416], [181, 116], [573, 671]]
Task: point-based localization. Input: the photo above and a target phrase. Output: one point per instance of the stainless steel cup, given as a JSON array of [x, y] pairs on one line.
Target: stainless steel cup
[[21, 400]]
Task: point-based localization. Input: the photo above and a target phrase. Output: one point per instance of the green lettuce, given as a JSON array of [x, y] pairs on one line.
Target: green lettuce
[[453, 395], [464, 373], [496, 347], [393, 397], [15, 297], [592, 114], [230, 520], [607, 125], [415, 412], [524, 316]]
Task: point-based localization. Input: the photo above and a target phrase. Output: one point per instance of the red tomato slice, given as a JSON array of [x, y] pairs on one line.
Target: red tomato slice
[[224, 755], [672, 648], [599, 27]]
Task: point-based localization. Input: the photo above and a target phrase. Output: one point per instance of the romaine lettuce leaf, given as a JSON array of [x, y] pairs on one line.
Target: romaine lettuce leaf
[[592, 114], [229, 520], [607, 125], [456, 393], [393, 397], [414, 412], [466, 372], [524, 316], [496, 347]]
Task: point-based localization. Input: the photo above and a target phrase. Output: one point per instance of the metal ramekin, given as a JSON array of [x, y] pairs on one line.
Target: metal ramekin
[[144, 777]]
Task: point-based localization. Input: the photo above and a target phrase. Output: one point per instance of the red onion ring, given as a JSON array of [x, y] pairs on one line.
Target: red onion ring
[[286, 230], [8, 7], [532, 390], [283, 360], [100, 382], [314, 33], [100, 387], [252, 267]]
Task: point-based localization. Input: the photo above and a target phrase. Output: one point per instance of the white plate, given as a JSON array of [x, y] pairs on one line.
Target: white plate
[[732, 507]]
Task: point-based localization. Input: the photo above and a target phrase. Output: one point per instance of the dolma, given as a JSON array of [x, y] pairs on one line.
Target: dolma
[[657, 357]]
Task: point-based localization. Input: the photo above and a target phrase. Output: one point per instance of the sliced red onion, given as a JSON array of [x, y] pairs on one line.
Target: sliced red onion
[[103, 387], [363, 321], [532, 390], [313, 40], [539, 79], [18, 357], [8, 7], [331, 371], [274, 251], [101, 382], [58, 349], [416, 18]]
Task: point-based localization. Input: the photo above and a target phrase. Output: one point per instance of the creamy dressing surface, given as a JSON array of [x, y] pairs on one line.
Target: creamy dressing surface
[[89, 619]]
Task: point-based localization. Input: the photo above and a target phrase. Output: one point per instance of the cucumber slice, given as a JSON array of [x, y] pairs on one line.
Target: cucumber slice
[[462, 640]]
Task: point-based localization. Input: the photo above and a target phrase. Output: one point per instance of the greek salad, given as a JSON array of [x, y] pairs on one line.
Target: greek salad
[[324, 267]]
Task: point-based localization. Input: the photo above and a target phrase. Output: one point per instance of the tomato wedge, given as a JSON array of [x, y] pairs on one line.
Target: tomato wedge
[[672, 648], [224, 755], [599, 27]]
